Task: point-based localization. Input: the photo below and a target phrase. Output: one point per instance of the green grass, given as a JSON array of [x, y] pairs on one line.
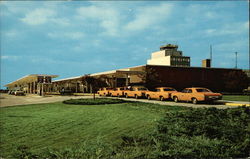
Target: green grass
[[42, 128], [245, 98]]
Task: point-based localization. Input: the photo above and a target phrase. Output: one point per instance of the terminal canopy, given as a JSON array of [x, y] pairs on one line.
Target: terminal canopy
[[28, 79]]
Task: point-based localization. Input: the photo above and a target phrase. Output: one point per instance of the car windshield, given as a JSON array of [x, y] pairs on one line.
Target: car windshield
[[169, 89], [142, 89], [203, 90]]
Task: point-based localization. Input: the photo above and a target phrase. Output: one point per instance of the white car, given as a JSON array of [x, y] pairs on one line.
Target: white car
[[19, 93]]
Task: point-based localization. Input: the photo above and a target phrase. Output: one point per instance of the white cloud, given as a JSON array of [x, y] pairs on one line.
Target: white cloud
[[69, 35], [11, 33], [61, 21], [229, 29], [14, 7], [149, 16], [108, 18], [38, 16], [233, 46], [11, 58]]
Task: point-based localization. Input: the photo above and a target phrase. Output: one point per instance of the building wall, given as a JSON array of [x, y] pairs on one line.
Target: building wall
[[182, 77], [137, 78], [158, 54], [166, 60]]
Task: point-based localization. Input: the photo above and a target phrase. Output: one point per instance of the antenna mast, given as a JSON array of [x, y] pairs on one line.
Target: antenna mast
[[211, 54], [236, 54]]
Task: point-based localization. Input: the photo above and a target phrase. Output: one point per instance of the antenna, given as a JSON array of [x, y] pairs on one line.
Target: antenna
[[236, 54], [211, 54], [163, 42]]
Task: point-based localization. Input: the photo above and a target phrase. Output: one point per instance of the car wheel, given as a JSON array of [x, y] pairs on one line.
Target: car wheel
[[194, 101], [161, 99], [126, 95], [136, 97], [176, 99], [118, 95], [148, 97]]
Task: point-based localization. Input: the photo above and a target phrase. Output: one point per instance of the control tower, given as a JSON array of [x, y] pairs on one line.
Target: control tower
[[169, 55]]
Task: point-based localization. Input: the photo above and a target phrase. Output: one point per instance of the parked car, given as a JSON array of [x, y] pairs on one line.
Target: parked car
[[246, 91], [19, 93], [161, 93], [66, 92], [196, 94], [104, 91], [11, 92], [118, 92], [136, 92]]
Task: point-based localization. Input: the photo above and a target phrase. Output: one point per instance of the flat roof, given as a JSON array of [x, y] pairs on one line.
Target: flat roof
[[69, 78], [124, 70], [127, 70], [190, 67], [27, 79]]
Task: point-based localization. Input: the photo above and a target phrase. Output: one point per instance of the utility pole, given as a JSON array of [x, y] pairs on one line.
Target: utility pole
[[211, 54], [236, 54]]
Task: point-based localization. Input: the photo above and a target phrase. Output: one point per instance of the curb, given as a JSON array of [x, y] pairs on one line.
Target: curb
[[237, 104]]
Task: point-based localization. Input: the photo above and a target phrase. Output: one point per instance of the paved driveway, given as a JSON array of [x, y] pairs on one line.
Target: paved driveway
[[11, 100]]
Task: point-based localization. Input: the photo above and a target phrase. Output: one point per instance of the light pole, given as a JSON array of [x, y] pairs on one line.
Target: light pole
[[211, 54], [236, 54]]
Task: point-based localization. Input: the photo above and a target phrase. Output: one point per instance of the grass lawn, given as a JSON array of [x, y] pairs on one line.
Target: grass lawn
[[41, 127], [245, 98]]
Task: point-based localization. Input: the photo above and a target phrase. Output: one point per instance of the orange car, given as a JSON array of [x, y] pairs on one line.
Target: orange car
[[196, 94], [104, 91], [136, 92], [161, 93], [119, 91]]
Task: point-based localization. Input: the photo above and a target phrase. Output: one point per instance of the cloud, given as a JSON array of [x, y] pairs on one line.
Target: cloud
[[68, 35], [233, 46], [38, 16], [106, 17], [147, 17], [10, 33], [61, 21], [229, 29], [10, 58]]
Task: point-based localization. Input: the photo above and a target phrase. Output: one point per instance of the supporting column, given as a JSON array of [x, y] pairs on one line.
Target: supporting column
[[28, 87], [32, 87], [76, 87], [34, 83], [126, 79]]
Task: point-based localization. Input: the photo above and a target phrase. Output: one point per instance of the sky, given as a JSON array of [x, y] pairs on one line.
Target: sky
[[73, 38]]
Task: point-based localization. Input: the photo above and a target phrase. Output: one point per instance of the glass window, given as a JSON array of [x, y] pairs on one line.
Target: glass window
[[185, 91], [142, 89], [189, 91], [203, 90], [169, 89]]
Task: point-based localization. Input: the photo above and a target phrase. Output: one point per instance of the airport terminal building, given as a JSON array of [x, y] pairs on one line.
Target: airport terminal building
[[167, 67]]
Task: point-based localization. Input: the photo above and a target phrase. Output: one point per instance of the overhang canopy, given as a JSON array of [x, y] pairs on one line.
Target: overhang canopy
[[28, 79]]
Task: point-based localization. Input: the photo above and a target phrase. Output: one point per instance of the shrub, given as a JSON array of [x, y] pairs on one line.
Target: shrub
[[97, 101], [205, 133]]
